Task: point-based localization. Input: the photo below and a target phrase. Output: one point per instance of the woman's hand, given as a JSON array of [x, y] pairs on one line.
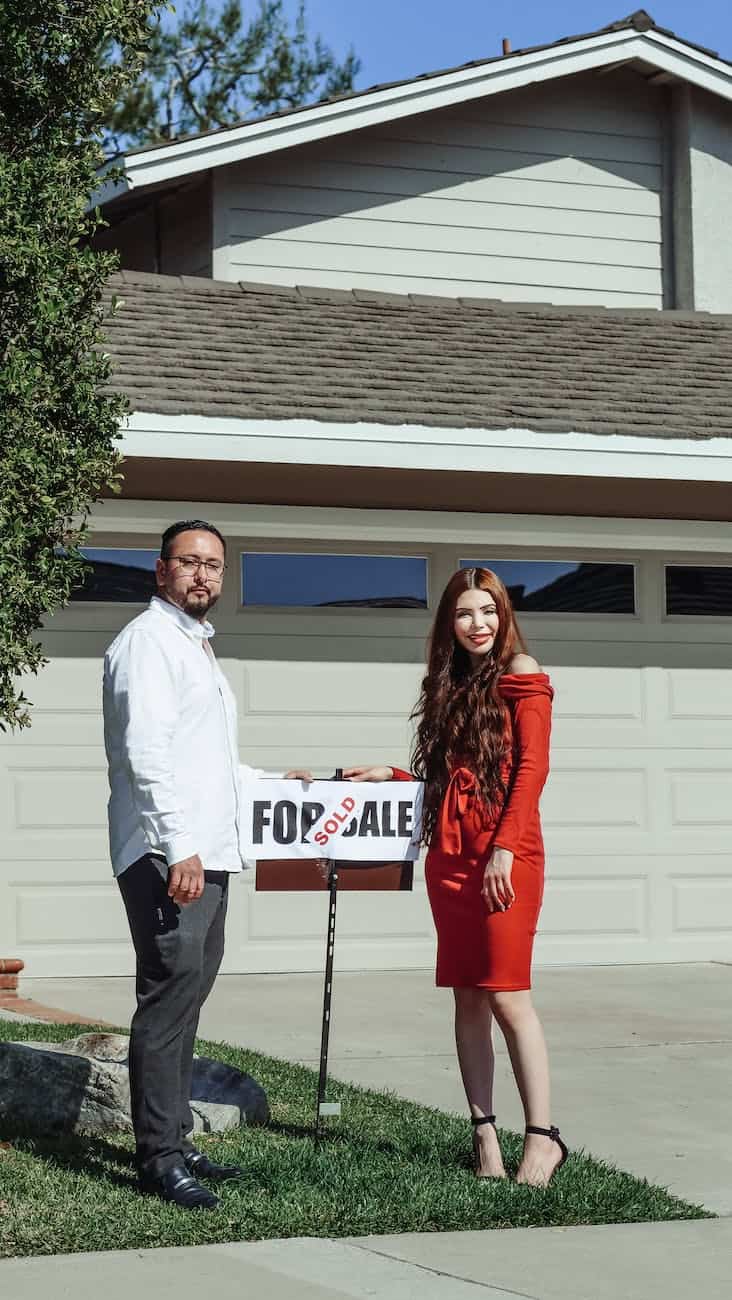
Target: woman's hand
[[497, 888], [299, 775], [368, 773]]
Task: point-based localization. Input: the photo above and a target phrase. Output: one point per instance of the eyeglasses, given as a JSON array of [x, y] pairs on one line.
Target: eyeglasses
[[190, 563]]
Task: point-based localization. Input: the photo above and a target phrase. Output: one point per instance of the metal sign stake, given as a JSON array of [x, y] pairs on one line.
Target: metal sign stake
[[325, 1107]]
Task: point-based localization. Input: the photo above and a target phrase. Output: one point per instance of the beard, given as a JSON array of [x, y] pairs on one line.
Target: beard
[[198, 603]]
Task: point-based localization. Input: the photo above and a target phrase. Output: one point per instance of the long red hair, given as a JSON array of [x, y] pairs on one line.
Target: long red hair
[[461, 717]]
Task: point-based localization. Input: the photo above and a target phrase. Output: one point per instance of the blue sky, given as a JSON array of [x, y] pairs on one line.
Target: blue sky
[[401, 38]]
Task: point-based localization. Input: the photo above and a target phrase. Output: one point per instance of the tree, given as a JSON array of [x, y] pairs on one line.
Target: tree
[[208, 70], [57, 421]]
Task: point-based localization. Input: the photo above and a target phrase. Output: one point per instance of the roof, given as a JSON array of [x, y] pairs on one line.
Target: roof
[[634, 38], [639, 21], [181, 345]]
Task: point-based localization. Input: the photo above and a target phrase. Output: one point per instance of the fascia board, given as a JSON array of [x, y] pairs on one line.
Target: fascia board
[[119, 515], [688, 64], [416, 447], [373, 109]]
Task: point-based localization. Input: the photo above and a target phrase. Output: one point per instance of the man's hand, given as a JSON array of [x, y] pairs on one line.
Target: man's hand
[[185, 880], [368, 773], [299, 775], [497, 888]]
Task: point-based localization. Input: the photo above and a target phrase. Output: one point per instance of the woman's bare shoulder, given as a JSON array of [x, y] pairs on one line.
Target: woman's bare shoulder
[[523, 664]]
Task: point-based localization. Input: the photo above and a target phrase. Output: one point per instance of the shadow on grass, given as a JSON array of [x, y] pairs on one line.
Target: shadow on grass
[[415, 1150], [114, 1164], [80, 1154]]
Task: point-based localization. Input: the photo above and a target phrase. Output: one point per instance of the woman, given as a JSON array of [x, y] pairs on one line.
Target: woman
[[482, 750]]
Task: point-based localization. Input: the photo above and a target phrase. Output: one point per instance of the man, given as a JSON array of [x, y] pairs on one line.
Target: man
[[170, 734]]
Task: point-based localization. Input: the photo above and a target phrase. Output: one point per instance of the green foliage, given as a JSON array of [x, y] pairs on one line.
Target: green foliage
[[57, 423], [207, 70]]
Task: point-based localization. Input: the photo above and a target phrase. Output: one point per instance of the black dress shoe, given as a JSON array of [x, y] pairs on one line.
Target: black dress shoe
[[178, 1186], [200, 1166]]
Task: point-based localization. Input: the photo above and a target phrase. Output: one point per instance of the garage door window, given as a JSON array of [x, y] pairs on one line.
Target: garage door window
[[125, 576], [699, 590], [564, 586], [338, 581]]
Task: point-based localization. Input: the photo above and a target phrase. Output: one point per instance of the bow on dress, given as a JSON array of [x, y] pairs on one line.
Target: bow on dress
[[462, 795], [459, 798]]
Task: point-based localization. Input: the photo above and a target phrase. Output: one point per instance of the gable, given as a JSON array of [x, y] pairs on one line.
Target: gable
[[549, 193], [635, 40]]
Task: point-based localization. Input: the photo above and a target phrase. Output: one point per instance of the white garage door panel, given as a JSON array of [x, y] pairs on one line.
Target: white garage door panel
[[702, 904], [601, 904], [55, 803], [325, 735], [701, 797], [326, 716], [286, 932], [359, 916], [311, 689], [65, 913], [52, 798], [67, 728], [581, 797], [700, 694], [66, 707], [598, 694], [63, 917]]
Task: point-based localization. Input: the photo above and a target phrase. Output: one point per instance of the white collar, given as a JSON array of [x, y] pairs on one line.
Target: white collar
[[191, 626]]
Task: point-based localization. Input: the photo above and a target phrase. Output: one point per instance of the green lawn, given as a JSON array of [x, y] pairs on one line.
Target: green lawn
[[386, 1166]]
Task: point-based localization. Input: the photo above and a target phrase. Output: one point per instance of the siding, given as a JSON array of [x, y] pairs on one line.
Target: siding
[[133, 237], [185, 231], [177, 224], [551, 194]]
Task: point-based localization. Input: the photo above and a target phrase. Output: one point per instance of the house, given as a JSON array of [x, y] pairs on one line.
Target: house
[[484, 315]]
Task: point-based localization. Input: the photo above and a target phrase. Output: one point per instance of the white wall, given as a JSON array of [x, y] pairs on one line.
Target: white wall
[[548, 194]]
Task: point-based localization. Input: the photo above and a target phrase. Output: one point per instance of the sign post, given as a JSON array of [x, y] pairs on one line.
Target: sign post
[[324, 1107], [349, 822]]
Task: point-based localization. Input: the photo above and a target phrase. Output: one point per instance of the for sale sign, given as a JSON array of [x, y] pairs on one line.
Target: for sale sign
[[351, 821]]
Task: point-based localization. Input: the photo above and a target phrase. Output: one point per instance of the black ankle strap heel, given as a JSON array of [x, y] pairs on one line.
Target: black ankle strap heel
[[552, 1133], [476, 1121]]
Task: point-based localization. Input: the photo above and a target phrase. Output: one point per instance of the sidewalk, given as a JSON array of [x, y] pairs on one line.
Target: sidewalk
[[663, 1261], [641, 1062]]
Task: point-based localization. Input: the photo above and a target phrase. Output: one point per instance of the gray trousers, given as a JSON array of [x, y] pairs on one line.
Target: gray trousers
[[179, 951]]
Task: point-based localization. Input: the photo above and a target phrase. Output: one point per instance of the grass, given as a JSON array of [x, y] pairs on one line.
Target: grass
[[386, 1166]]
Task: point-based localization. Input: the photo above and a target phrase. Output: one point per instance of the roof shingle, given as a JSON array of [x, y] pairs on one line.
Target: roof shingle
[[248, 351]]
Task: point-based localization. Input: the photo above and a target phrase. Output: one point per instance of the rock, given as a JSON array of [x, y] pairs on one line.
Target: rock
[[45, 1088], [213, 1117], [213, 1081], [103, 1047], [82, 1086]]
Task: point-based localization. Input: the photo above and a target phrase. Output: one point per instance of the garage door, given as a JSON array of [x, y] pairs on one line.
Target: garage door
[[638, 816], [638, 809]]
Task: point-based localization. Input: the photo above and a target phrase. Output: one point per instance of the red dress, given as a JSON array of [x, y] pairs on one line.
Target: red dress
[[477, 948]]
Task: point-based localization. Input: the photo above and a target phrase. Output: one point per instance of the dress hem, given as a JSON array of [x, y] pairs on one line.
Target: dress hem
[[490, 988]]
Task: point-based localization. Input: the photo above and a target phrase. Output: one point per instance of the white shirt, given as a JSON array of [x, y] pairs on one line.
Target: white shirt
[[170, 733]]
